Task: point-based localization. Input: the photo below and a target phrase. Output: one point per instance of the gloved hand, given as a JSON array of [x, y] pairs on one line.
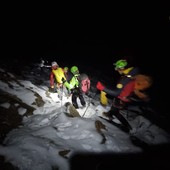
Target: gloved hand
[[100, 86], [63, 80], [51, 89]]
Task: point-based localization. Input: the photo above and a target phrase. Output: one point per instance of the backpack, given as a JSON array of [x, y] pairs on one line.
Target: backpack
[[142, 82], [84, 83]]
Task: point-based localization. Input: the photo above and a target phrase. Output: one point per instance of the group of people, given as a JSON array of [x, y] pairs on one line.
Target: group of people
[[66, 81], [130, 88]]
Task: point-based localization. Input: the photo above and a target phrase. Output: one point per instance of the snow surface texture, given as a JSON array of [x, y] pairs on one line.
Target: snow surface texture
[[49, 137]]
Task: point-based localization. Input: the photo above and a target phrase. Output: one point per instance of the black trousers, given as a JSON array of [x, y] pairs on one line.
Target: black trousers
[[75, 96], [117, 106], [116, 112]]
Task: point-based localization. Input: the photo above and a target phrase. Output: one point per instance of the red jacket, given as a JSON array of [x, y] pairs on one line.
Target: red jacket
[[127, 91]]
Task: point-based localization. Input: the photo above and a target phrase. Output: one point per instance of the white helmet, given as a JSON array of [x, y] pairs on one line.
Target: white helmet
[[54, 63]]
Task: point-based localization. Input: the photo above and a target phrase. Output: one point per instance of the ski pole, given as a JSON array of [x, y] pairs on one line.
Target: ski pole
[[61, 95], [86, 109], [90, 99]]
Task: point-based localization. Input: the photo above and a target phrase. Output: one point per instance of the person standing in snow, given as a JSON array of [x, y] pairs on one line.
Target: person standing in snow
[[129, 85], [68, 76], [56, 76], [73, 86]]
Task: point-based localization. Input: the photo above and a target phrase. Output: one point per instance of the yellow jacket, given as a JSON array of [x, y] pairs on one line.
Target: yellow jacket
[[59, 74]]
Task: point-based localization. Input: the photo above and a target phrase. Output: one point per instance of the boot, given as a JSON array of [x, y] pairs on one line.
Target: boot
[[75, 105], [108, 115]]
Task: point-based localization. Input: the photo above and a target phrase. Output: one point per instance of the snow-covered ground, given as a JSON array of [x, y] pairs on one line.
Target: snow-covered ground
[[50, 137]]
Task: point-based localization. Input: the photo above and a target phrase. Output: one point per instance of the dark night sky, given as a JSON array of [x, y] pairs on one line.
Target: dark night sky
[[141, 33], [98, 30], [104, 36]]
